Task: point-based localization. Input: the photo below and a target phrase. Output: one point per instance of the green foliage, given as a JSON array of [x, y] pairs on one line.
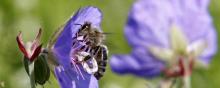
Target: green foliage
[[29, 15], [26, 65]]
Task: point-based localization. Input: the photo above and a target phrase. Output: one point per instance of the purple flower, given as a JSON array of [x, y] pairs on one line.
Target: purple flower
[[69, 73], [167, 36]]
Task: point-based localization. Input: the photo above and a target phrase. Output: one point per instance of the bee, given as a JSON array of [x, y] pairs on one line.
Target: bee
[[91, 49]]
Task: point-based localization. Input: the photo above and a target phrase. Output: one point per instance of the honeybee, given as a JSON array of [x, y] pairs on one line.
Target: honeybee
[[88, 43]]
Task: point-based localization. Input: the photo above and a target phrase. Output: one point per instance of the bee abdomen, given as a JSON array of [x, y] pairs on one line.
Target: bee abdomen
[[99, 75], [103, 63], [101, 70], [102, 67]]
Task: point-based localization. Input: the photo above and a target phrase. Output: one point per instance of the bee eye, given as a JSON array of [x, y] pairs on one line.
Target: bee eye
[[84, 27]]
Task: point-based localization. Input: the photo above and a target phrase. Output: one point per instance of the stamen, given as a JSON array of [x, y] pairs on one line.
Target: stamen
[[77, 69], [80, 72], [183, 68]]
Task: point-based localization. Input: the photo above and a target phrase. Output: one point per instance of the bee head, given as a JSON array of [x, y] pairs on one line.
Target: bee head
[[90, 34]]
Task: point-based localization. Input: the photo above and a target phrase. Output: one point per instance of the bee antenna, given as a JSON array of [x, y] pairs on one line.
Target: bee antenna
[[107, 33], [78, 24]]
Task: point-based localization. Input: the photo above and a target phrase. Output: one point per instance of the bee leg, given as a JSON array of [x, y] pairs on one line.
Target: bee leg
[[88, 69], [79, 24], [87, 49], [105, 52], [96, 51], [83, 58]]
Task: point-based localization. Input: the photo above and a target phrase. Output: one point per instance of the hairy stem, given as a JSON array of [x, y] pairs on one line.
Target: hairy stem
[[186, 76]]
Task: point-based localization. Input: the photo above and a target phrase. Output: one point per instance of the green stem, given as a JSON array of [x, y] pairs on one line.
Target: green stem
[[186, 82], [32, 81], [31, 71], [166, 83], [186, 77]]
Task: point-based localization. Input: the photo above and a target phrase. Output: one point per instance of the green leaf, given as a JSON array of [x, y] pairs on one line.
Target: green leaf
[[32, 80], [26, 65]]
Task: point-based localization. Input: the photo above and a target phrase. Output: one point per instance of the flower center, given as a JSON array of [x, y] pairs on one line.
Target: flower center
[[183, 67], [182, 56]]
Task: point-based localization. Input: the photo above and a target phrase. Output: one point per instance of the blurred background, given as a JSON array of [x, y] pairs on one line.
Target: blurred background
[[30, 15]]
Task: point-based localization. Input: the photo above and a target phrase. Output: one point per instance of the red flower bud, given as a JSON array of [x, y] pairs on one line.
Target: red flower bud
[[31, 49]]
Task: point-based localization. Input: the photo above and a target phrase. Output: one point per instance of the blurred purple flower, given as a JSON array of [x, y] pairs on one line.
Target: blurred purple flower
[[162, 32], [69, 73]]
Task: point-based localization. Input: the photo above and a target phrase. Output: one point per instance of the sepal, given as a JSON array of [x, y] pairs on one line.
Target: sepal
[[41, 70]]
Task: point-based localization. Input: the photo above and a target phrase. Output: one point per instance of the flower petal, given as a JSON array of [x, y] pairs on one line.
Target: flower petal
[[36, 41], [123, 64], [36, 52], [147, 23], [68, 79], [21, 45], [212, 47], [197, 47], [138, 63]]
